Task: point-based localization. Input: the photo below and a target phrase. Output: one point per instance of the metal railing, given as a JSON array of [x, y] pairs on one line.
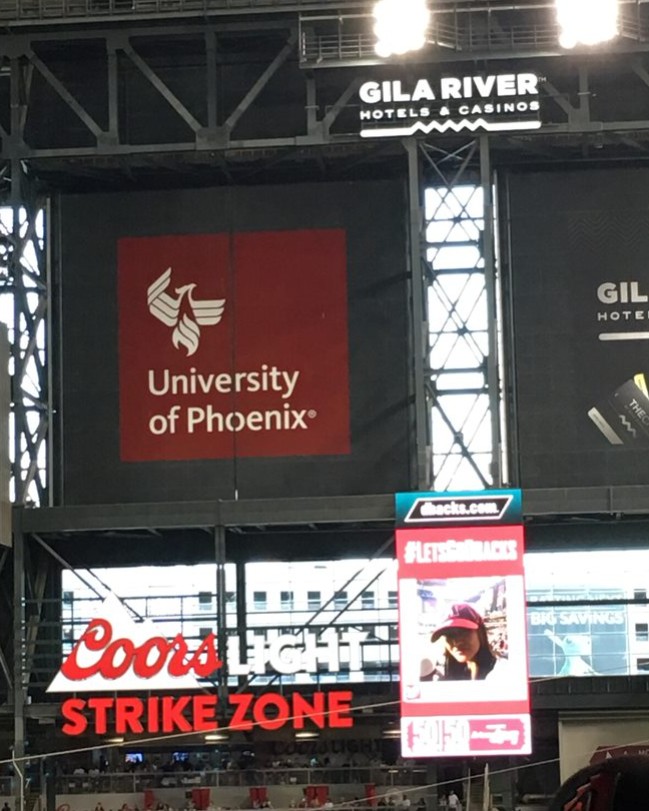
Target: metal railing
[[51, 10], [461, 27], [136, 782]]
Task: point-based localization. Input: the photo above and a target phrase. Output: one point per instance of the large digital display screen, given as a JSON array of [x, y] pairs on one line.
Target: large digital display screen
[[580, 281], [462, 636]]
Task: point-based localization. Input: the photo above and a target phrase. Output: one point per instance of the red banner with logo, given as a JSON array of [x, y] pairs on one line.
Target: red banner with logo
[[462, 633], [233, 345]]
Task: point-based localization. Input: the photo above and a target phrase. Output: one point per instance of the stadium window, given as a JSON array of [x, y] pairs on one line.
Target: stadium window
[[340, 599], [286, 600], [68, 596], [643, 665], [259, 600], [205, 601], [640, 594], [392, 599], [203, 633], [313, 599], [641, 632], [367, 599]]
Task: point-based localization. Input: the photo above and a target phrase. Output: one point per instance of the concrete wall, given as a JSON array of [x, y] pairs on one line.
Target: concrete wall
[[580, 736]]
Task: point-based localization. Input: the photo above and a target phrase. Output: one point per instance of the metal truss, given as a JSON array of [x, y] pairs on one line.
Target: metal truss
[[24, 306], [462, 378], [244, 97], [76, 104], [205, 115]]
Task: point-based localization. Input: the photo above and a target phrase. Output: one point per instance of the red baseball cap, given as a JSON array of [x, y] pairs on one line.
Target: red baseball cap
[[461, 615]]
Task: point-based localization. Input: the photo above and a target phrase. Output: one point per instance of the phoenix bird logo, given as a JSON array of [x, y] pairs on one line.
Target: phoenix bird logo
[[184, 313]]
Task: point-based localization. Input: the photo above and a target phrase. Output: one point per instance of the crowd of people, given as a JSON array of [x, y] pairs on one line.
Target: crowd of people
[[236, 768], [395, 802]]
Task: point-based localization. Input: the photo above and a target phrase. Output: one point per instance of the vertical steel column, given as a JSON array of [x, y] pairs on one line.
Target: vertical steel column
[[24, 256], [462, 374], [420, 468], [49, 370], [15, 278], [19, 693], [212, 89], [15, 274], [221, 608], [242, 613], [113, 92], [488, 255]]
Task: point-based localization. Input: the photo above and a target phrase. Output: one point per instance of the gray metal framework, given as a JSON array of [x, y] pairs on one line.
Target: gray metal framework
[[206, 126], [462, 380], [114, 62], [210, 117], [25, 297], [337, 512]]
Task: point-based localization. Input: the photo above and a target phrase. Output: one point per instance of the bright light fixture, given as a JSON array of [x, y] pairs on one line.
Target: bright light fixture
[[400, 26], [586, 22]]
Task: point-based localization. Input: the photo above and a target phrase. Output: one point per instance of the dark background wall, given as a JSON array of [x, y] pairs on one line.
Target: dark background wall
[[571, 232], [372, 217]]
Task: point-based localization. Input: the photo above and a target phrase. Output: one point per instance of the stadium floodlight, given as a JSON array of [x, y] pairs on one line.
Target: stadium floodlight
[[400, 26], [586, 22]]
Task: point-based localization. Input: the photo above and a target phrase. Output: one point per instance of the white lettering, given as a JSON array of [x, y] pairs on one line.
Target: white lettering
[[465, 551], [484, 86], [299, 652], [370, 92], [621, 293], [398, 94], [267, 378], [451, 88], [528, 84], [423, 90], [506, 84]]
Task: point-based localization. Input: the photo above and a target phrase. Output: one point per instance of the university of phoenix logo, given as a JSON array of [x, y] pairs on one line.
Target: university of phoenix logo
[[116, 653], [183, 313]]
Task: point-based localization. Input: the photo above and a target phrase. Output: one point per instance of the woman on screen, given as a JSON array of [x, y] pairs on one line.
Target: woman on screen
[[467, 652]]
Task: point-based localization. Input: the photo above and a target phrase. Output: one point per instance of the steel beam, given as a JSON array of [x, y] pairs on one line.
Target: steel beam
[[173, 100], [19, 693], [233, 119], [606, 502], [30, 294], [65, 94], [420, 468], [491, 291], [566, 111]]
